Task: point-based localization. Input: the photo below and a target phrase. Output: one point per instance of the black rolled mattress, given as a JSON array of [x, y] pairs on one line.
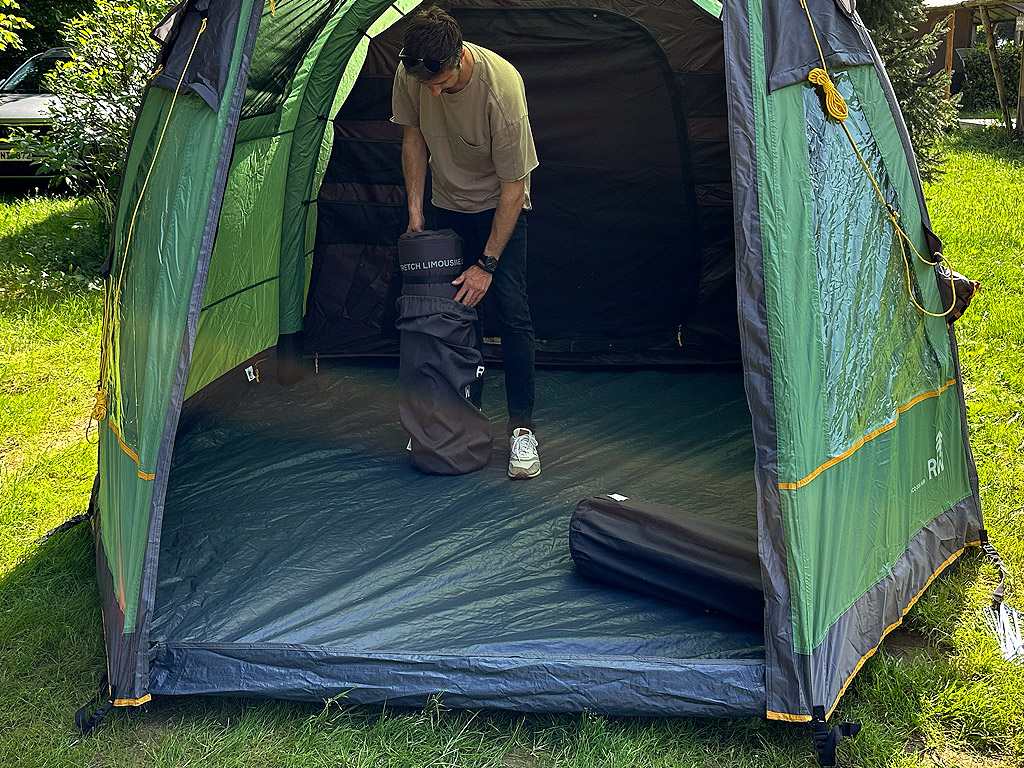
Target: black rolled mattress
[[302, 557]]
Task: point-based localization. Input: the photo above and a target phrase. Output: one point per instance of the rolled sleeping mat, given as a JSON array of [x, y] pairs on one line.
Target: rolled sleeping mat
[[438, 359], [663, 552], [429, 261]]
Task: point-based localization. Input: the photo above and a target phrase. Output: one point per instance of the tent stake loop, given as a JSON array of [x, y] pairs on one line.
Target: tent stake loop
[[826, 740], [87, 723]]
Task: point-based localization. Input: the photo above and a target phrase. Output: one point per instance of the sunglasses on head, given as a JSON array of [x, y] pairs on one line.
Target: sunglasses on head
[[431, 65]]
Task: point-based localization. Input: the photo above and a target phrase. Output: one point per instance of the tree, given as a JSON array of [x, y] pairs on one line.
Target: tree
[[45, 19], [100, 91], [909, 55], [9, 26]]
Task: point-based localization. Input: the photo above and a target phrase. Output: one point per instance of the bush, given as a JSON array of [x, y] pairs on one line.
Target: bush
[[908, 58], [10, 26], [980, 93], [100, 91]]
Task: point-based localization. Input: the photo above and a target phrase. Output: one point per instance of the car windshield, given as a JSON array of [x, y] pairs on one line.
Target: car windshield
[[28, 78]]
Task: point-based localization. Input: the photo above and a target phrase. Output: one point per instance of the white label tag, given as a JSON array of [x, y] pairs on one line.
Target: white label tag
[[250, 373], [617, 497]]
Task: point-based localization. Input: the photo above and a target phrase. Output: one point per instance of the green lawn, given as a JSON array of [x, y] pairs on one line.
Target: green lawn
[[937, 694]]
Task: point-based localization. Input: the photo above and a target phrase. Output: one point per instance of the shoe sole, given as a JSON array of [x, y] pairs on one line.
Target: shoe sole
[[523, 474]]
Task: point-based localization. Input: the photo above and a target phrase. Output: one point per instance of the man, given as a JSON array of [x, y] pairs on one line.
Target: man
[[467, 106]]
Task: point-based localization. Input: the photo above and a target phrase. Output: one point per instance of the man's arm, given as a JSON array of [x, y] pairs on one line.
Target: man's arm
[[414, 169], [475, 281]]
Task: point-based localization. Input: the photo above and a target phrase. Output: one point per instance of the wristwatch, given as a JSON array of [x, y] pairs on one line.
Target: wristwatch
[[488, 264]]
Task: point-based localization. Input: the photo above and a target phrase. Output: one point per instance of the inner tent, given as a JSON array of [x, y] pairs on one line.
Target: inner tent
[[294, 525]]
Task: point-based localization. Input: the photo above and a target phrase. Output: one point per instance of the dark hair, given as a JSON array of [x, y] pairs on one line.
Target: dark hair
[[432, 34]]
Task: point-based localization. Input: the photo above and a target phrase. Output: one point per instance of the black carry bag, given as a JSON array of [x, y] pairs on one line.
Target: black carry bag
[[668, 553], [438, 359]]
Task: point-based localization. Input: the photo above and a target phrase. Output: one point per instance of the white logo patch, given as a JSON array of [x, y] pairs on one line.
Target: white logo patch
[[935, 466]]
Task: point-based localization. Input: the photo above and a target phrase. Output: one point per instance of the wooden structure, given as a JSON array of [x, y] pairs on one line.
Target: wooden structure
[[962, 18]]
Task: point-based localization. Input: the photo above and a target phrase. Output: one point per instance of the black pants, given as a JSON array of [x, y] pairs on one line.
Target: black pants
[[507, 299]]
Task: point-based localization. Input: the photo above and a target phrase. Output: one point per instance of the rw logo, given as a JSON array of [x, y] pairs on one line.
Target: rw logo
[[935, 466]]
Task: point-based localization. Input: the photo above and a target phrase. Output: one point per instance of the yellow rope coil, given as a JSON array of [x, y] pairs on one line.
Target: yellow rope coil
[[99, 408], [834, 101]]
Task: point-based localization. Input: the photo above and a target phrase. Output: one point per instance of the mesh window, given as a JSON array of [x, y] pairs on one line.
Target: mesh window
[[877, 356]]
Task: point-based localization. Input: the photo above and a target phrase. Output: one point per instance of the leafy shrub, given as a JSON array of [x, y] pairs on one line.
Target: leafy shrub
[[45, 19], [100, 91], [908, 58], [10, 25], [980, 93]]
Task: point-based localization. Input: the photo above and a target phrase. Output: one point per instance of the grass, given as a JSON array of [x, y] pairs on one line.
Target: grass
[[937, 693]]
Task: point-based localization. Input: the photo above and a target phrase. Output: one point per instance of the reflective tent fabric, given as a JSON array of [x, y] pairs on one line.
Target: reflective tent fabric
[[258, 271]]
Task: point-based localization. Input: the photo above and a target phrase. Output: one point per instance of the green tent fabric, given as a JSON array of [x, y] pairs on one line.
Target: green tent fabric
[[261, 203]]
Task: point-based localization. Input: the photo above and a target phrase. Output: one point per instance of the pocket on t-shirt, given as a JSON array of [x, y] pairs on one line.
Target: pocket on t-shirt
[[476, 156]]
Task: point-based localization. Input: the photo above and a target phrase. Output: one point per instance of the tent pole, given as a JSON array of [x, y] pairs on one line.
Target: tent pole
[[1020, 98], [993, 54], [949, 53]]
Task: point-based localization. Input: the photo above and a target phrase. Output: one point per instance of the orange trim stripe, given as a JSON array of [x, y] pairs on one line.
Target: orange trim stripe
[[788, 718], [860, 443], [129, 451], [863, 659], [132, 702]]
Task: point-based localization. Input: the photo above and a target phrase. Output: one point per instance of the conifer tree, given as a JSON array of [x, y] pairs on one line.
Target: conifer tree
[[895, 26]]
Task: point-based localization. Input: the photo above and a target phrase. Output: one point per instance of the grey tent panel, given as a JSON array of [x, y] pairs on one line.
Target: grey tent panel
[[628, 687]]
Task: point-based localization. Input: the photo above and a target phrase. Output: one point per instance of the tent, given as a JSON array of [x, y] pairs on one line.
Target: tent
[[727, 320]]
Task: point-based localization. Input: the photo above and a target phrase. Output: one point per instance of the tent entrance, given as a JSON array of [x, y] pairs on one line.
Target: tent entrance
[[630, 254], [295, 527]]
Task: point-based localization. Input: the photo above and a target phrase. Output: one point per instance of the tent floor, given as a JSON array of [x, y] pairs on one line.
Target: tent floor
[[296, 523]]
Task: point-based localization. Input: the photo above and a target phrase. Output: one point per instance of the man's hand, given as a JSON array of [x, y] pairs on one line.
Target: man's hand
[[474, 283], [416, 222]]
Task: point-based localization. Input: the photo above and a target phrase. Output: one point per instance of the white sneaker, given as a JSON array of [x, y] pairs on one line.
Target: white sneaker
[[523, 462]]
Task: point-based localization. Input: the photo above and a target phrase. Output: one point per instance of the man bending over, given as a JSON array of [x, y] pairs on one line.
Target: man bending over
[[467, 106]]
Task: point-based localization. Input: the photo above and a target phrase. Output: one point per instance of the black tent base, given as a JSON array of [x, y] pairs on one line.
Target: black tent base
[[328, 566]]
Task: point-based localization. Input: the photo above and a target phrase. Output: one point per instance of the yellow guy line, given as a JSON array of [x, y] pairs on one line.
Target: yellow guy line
[[835, 105], [860, 443], [863, 659], [112, 289], [129, 451]]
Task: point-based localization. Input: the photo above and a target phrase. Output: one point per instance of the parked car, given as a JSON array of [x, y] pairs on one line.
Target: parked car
[[24, 103]]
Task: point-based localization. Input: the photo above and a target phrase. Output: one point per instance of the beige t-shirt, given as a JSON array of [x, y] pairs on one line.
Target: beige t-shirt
[[477, 138]]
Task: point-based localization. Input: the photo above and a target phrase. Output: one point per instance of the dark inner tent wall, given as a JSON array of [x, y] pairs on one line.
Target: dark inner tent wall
[[631, 254]]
